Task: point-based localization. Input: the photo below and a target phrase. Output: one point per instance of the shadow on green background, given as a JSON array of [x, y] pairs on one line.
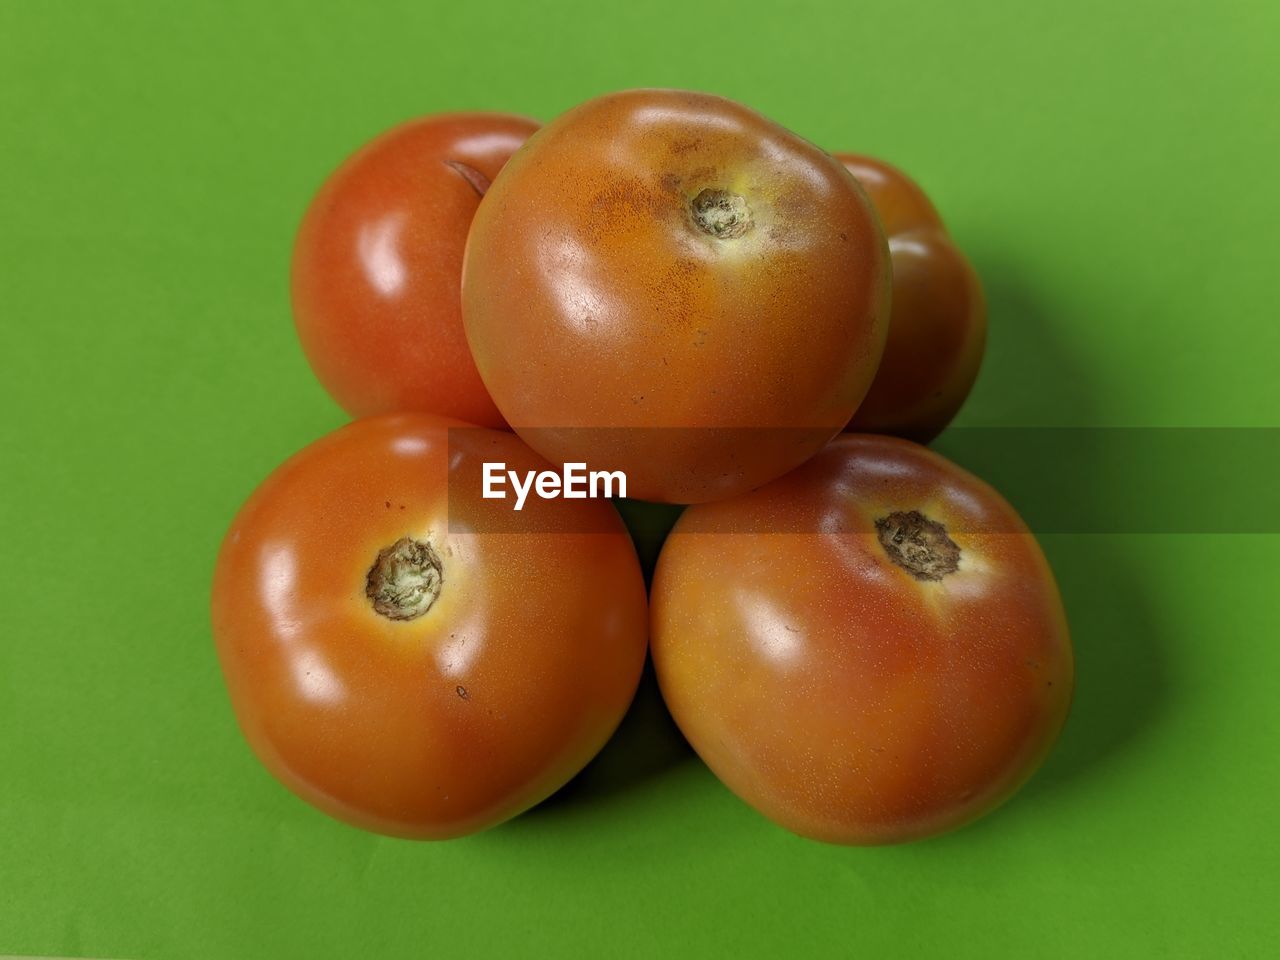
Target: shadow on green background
[[647, 742], [1121, 686], [646, 745]]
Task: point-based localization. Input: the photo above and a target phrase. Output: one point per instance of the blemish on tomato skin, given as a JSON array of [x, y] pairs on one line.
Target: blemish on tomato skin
[[462, 692]]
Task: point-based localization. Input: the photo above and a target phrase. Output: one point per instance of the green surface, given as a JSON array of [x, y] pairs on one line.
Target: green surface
[[1111, 169]]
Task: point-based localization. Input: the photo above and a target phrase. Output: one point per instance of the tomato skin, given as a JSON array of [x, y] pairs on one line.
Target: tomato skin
[[830, 688], [377, 267], [474, 711], [938, 328], [602, 314], [900, 202]]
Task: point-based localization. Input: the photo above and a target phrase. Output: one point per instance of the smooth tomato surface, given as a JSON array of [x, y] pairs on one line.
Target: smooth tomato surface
[[938, 326], [377, 267], [871, 649], [410, 657], [669, 284]]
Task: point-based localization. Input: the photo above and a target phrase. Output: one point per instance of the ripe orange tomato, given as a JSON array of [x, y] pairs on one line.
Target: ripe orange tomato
[[412, 658], [938, 327], [377, 267], [871, 649], [669, 284]]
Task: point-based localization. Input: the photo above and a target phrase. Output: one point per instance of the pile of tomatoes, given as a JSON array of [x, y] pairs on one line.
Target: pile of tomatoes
[[861, 640]]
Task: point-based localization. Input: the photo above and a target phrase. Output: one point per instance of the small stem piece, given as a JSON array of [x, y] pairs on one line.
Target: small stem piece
[[918, 545], [405, 581], [721, 214], [479, 182]]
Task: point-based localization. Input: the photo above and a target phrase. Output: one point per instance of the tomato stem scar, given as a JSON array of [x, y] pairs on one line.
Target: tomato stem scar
[[405, 580], [918, 545], [478, 181], [721, 214]]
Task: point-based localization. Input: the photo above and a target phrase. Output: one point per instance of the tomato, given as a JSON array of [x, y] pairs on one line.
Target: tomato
[[410, 657], [899, 201], [938, 327], [669, 284], [871, 649], [378, 261]]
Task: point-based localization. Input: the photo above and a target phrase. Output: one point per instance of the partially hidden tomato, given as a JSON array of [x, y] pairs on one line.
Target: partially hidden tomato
[[869, 650], [411, 657], [938, 324], [377, 267], [669, 284]]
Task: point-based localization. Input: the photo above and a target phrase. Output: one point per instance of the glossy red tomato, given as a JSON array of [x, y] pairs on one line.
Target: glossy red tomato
[[871, 649], [669, 284], [378, 262], [413, 658], [938, 326]]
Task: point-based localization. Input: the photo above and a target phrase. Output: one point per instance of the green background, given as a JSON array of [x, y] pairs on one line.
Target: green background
[[1111, 168]]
